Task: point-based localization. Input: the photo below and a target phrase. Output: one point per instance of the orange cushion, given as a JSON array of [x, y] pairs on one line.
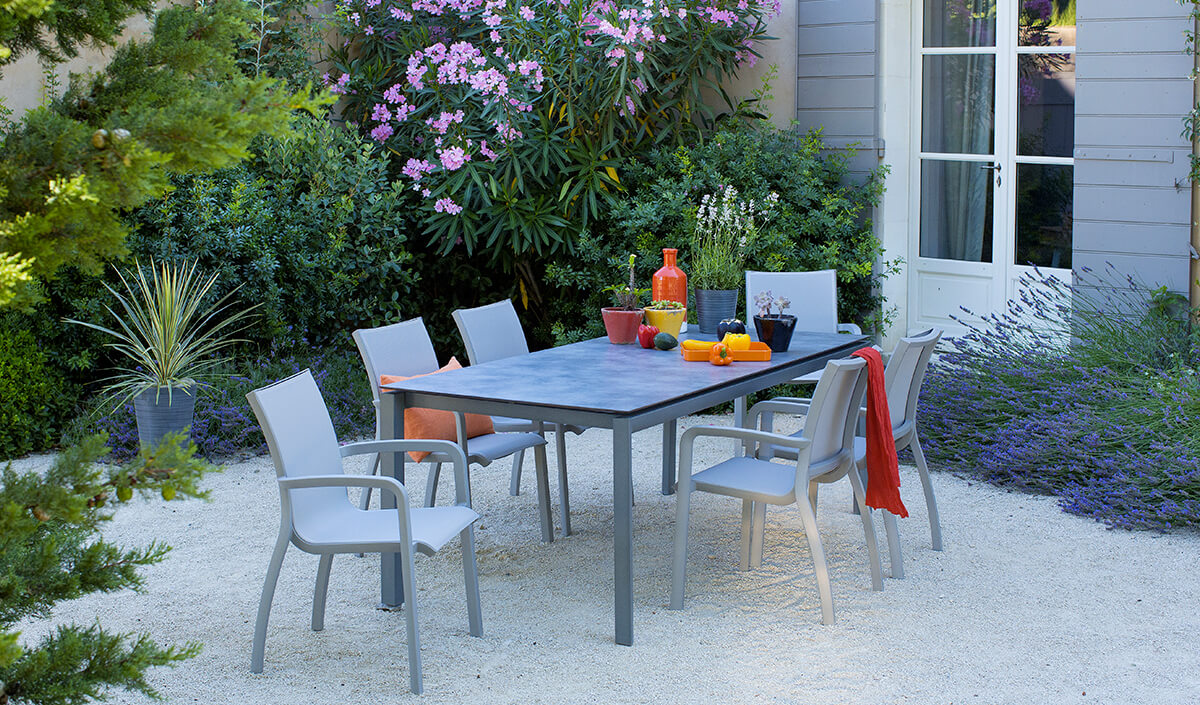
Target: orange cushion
[[436, 424]]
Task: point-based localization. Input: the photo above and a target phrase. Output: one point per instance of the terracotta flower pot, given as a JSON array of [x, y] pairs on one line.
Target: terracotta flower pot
[[621, 325], [667, 320]]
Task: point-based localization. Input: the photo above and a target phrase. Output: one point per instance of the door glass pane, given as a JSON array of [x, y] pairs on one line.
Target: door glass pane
[[1046, 23], [1046, 105], [956, 210], [957, 96], [1044, 202], [960, 23]]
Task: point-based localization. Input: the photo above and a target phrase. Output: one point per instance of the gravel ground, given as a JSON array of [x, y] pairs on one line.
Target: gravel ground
[[1025, 605]]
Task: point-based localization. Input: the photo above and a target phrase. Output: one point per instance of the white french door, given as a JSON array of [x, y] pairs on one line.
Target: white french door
[[995, 94]]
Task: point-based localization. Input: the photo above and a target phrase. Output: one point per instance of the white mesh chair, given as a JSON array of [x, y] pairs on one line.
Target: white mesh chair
[[493, 332], [814, 303], [825, 453], [405, 349], [318, 517]]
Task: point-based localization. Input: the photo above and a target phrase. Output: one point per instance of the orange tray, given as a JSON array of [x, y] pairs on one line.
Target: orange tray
[[758, 352]]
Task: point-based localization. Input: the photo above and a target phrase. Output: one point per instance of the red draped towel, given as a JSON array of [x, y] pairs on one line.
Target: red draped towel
[[883, 469]]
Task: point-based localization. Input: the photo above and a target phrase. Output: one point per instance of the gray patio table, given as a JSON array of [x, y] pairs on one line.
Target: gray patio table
[[596, 384]]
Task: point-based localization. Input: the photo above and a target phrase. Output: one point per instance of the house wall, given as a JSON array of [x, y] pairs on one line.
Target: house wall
[[1132, 204]]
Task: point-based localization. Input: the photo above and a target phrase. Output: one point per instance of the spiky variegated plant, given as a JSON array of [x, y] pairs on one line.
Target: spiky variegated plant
[[169, 339]]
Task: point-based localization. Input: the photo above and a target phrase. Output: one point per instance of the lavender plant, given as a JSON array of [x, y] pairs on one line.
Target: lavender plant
[[725, 230], [1095, 402]]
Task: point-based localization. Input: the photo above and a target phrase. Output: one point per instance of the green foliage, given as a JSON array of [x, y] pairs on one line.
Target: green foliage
[[283, 42], [174, 104], [56, 30], [545, 99], [50, 551], [821, 221], [311, 230], [33, 393]]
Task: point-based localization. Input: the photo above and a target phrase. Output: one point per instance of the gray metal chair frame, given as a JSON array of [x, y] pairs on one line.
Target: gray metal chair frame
[[493, 332], [405, 349], [826, 454], [317, 516]]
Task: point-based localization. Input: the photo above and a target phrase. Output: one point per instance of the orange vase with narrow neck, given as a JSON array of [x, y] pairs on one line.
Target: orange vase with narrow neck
[[669, 283]]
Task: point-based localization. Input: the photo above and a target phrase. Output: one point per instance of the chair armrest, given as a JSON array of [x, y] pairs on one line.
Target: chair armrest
[[786, 405], [851, 328], [743, 434], [462, 489], [379, 482]]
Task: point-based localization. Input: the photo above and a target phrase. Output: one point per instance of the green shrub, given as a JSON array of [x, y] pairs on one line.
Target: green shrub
[[311, 228], [821, 221], [34, 402]]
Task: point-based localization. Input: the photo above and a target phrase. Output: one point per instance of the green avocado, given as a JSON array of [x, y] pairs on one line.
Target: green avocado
[[665, 341]]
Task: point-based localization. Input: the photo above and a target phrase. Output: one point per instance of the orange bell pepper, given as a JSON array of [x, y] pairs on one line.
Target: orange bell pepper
[[737, 341], [720, 354]]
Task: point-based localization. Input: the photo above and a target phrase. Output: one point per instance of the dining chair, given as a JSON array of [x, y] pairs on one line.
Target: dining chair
[[318, 517], [824, 453], [405, 349], [903, 377], [814, 304], [493, 332]]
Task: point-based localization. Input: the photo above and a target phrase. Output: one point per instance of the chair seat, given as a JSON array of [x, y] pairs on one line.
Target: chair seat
[[345, 527], [750, 478], [484, 449]]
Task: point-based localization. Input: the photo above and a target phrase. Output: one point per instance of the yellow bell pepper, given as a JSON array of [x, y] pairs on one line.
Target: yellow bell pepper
[[737, 341]]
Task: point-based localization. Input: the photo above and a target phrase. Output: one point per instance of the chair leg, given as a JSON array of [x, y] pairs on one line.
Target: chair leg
[[264, 602], [868, 530], [364, 500], [935, 523], [320, 591], [471, 579], [893, 538], [410, 621], [757, 530], [431, 484], [683, 498], [813, 489], [564, 494], [819, 567], [747, 532], [854, 507], [514, 484]]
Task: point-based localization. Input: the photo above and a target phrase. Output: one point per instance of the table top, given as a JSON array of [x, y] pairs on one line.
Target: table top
[[597, 376]]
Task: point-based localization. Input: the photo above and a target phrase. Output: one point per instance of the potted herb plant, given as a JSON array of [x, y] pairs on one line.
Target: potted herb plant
[[774, 329], [667, 316], [622, 320], [170, 342], [724, 233]]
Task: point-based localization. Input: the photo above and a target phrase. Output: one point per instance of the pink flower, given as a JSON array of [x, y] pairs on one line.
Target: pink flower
[[526, 14], [416, 168], [369, 30], [398, 14], [381, 133], [453, 158], [381, 113], [447, 205]]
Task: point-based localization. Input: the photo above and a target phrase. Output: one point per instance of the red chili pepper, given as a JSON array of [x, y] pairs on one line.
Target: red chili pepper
[[646, 335]]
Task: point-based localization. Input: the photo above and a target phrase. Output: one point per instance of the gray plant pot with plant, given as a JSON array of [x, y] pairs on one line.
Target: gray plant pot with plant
[[724, 233], [171, 343]]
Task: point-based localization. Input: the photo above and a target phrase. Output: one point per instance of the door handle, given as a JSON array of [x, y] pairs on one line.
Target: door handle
[[993, 167]]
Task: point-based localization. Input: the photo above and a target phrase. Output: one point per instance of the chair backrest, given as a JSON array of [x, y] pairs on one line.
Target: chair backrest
[[402, 349], [905, 372], [491, 332], [813, 296], [302, 442], [831, 418]]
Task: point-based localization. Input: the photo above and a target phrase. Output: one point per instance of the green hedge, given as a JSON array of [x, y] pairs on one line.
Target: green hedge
[[34, 400]]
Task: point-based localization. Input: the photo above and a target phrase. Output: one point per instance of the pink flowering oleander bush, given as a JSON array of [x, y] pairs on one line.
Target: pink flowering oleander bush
[[510, 118]]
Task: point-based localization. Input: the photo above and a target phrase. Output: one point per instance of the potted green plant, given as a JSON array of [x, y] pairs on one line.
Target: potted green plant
[[622, 320], [667, 316], [774, 329], [170, 342], [724, 233]]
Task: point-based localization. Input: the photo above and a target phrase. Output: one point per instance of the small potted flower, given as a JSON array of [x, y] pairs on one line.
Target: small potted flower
[[622, 320], [774, 329], [667, 316]]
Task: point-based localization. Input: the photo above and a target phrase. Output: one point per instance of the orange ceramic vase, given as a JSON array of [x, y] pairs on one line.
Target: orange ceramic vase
[[669, 283]]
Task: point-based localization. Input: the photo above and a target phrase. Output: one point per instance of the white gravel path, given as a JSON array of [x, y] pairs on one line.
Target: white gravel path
[[1026, 604]]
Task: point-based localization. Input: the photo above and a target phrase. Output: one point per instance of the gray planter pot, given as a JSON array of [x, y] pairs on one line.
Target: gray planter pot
[[714, 306], [160, 412]]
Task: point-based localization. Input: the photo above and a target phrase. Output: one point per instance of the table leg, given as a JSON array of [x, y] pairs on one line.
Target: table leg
[[739, 421], [543, 489], [623, 530], [668, 453], [391, 425]]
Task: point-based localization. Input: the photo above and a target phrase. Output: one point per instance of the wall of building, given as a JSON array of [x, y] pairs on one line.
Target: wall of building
[[1132, 204]]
